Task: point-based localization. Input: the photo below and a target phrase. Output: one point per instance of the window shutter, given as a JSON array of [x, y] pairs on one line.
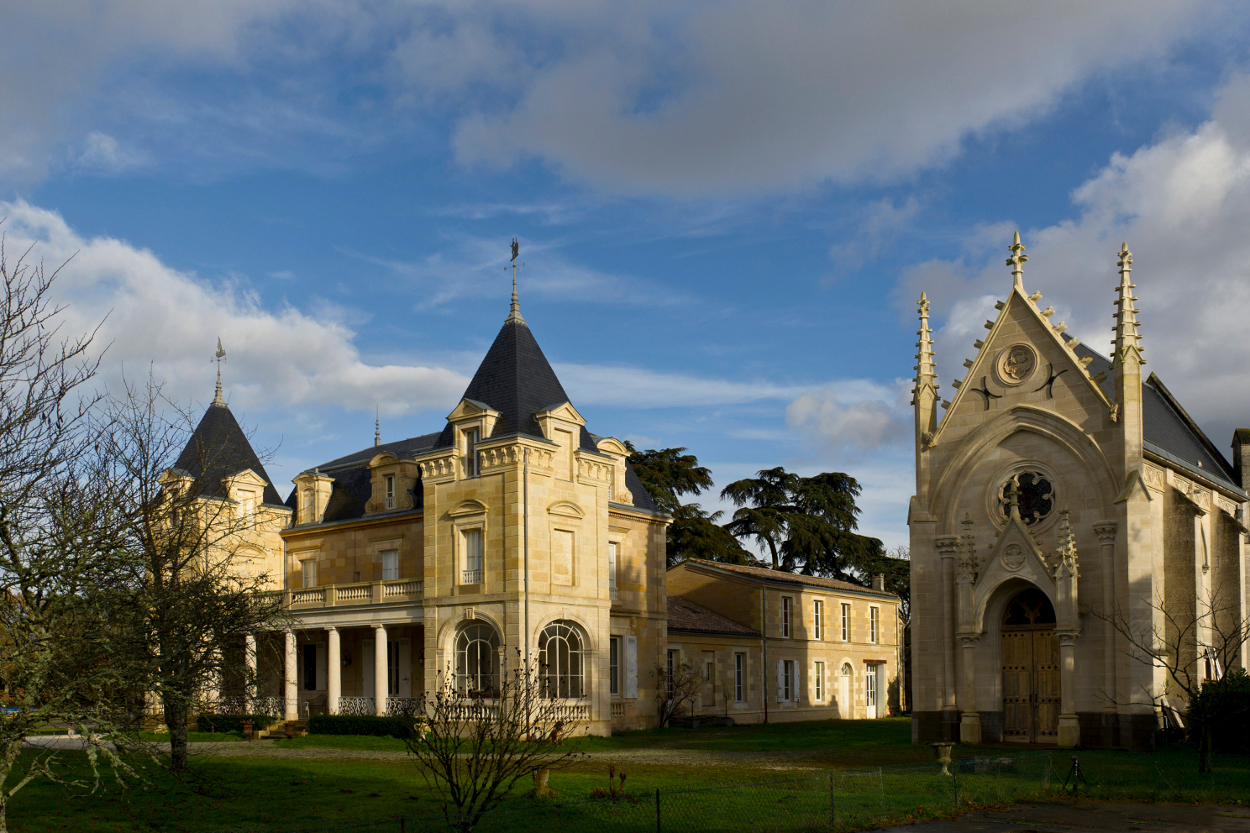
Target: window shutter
[[631, 666], [781, 681]]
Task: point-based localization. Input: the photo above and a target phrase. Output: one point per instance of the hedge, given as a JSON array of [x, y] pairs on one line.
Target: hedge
[[230, 722], [342, 724], [1227, 704]]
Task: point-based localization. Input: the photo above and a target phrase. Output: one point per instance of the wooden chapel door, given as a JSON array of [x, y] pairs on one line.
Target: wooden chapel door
[[1030, 665]]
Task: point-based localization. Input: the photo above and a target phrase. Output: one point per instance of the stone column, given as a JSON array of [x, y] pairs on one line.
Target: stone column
[[969, 718], [249, 658], [379, 669], [291, 682], [334, 671], [948, 545], [1069, 723], [1106, 539]]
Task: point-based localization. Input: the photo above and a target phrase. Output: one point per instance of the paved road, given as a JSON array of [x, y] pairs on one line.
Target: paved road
[[1092, 817]]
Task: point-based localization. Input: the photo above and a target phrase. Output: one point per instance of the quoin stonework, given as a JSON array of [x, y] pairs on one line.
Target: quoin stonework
[[1062, 493]]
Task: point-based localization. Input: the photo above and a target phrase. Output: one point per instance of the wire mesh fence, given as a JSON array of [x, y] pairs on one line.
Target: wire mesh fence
[[833, 801]]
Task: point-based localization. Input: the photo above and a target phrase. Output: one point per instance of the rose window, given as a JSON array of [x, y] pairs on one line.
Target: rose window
[[1034, 494]]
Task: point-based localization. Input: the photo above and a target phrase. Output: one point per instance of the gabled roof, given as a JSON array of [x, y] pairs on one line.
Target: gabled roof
[[516, 380], [400, 448], [218, 448], [1167, 429], [687, 617], [777, 576]]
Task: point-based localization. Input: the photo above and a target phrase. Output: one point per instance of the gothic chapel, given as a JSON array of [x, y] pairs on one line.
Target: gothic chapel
[[1061, 493]]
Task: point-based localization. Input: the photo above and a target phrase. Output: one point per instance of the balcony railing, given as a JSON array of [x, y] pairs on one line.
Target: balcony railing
[[472, 577], [613, 594], [372, 592]]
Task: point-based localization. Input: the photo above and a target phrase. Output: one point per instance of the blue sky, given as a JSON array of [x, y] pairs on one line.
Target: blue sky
[[725, 210]]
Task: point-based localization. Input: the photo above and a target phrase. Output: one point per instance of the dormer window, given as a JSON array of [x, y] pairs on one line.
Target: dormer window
[[310, 511], [390, 491], [471, 439]]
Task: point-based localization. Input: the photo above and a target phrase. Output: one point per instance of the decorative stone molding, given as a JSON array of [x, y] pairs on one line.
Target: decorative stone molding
[[1155, 477], [1105, 530], [947, 545]]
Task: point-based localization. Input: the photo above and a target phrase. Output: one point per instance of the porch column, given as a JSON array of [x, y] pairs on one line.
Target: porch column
[[334, 671], [379, 669], [1069, 723], [291, 711], [1106, 540], [970, 718], [948, 545], [249, 685]]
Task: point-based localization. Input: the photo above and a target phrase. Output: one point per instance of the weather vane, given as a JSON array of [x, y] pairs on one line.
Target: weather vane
[[515, 314], [220, 356]]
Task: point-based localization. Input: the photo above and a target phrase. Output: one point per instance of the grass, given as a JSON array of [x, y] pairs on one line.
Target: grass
[[275, 794]]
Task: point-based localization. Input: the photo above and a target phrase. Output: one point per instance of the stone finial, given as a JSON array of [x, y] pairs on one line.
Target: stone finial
[[1127, 337], [1016, 262], [377, 427], [1067, 546], [1013, 499], [926, 369]]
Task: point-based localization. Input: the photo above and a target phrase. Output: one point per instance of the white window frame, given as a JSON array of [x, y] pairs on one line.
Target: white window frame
[[874, 624], [786, 603], [818, 680], [614, 560], [308, 571], [472, 436], [394, 571], [310, 506], [818, 619], [787, 680], [472, 563], [389, 480], [740, 668], [846, 622]]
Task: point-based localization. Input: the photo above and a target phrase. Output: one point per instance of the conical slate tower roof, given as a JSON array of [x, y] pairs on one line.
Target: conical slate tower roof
[[516, 380], [218, 449]]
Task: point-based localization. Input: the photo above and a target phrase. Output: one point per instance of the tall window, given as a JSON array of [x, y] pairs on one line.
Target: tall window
[[470, 452], [740, 662], [672, 669], [472, 556], [390, 491], [820, 681], [308, 567], [787, 680], [873, 623], [612, 556], [560, 661], [562, 548], [614, 666], [818, 619], [477, 660], [785, 617], [390, 564], [310, 667], [392, 668], [310, 513], [247, 505], [846, 622]]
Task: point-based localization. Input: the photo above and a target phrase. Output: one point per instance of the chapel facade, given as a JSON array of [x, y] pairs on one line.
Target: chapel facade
[[1064, 499]]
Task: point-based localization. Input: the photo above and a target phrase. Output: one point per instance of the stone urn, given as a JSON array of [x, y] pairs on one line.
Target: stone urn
[[247, 730], [290, 730], [541, 790], [943, 751]]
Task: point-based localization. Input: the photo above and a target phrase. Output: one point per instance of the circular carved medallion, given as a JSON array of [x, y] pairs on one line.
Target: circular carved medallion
[[1013, 557], [1016, 363]]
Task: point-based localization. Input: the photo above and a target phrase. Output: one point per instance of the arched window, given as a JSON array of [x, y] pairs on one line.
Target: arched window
[[477, 660], [561, 662]]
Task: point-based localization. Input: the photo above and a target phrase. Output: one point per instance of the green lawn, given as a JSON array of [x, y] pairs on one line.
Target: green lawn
[[278, 795]]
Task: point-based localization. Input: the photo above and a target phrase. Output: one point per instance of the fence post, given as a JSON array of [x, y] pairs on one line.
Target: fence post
[[403, 825], [657, 810]]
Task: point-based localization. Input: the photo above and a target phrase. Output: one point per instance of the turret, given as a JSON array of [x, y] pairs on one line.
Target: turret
[[924, 395]]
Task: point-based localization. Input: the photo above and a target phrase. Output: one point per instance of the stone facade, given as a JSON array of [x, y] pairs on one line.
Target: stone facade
[[1056, 471], [784, 647]]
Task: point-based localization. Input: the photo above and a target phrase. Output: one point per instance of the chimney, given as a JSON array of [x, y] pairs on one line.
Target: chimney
[[878, 581], [1241, 456]]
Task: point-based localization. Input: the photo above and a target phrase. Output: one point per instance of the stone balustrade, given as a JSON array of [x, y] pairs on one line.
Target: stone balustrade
[[361, 593]]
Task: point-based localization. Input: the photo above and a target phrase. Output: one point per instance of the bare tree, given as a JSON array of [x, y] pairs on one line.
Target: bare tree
[[474, 751], [192, 595], [1196, 645], [676, 694], [57, 546]]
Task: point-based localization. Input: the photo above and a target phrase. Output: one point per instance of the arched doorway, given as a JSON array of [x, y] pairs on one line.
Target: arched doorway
[[1030, 669]]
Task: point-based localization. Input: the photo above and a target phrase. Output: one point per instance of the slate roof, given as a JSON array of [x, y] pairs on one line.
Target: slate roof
[[687, 617], [400, 448], [218, 448], [1167, 430], [765, 574], [516, 380]]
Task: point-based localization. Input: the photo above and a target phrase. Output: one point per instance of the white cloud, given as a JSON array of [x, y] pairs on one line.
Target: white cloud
[[1182, 204], [170, 320], [743, 96], [102, 153], [855, 417], [636, 387]]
